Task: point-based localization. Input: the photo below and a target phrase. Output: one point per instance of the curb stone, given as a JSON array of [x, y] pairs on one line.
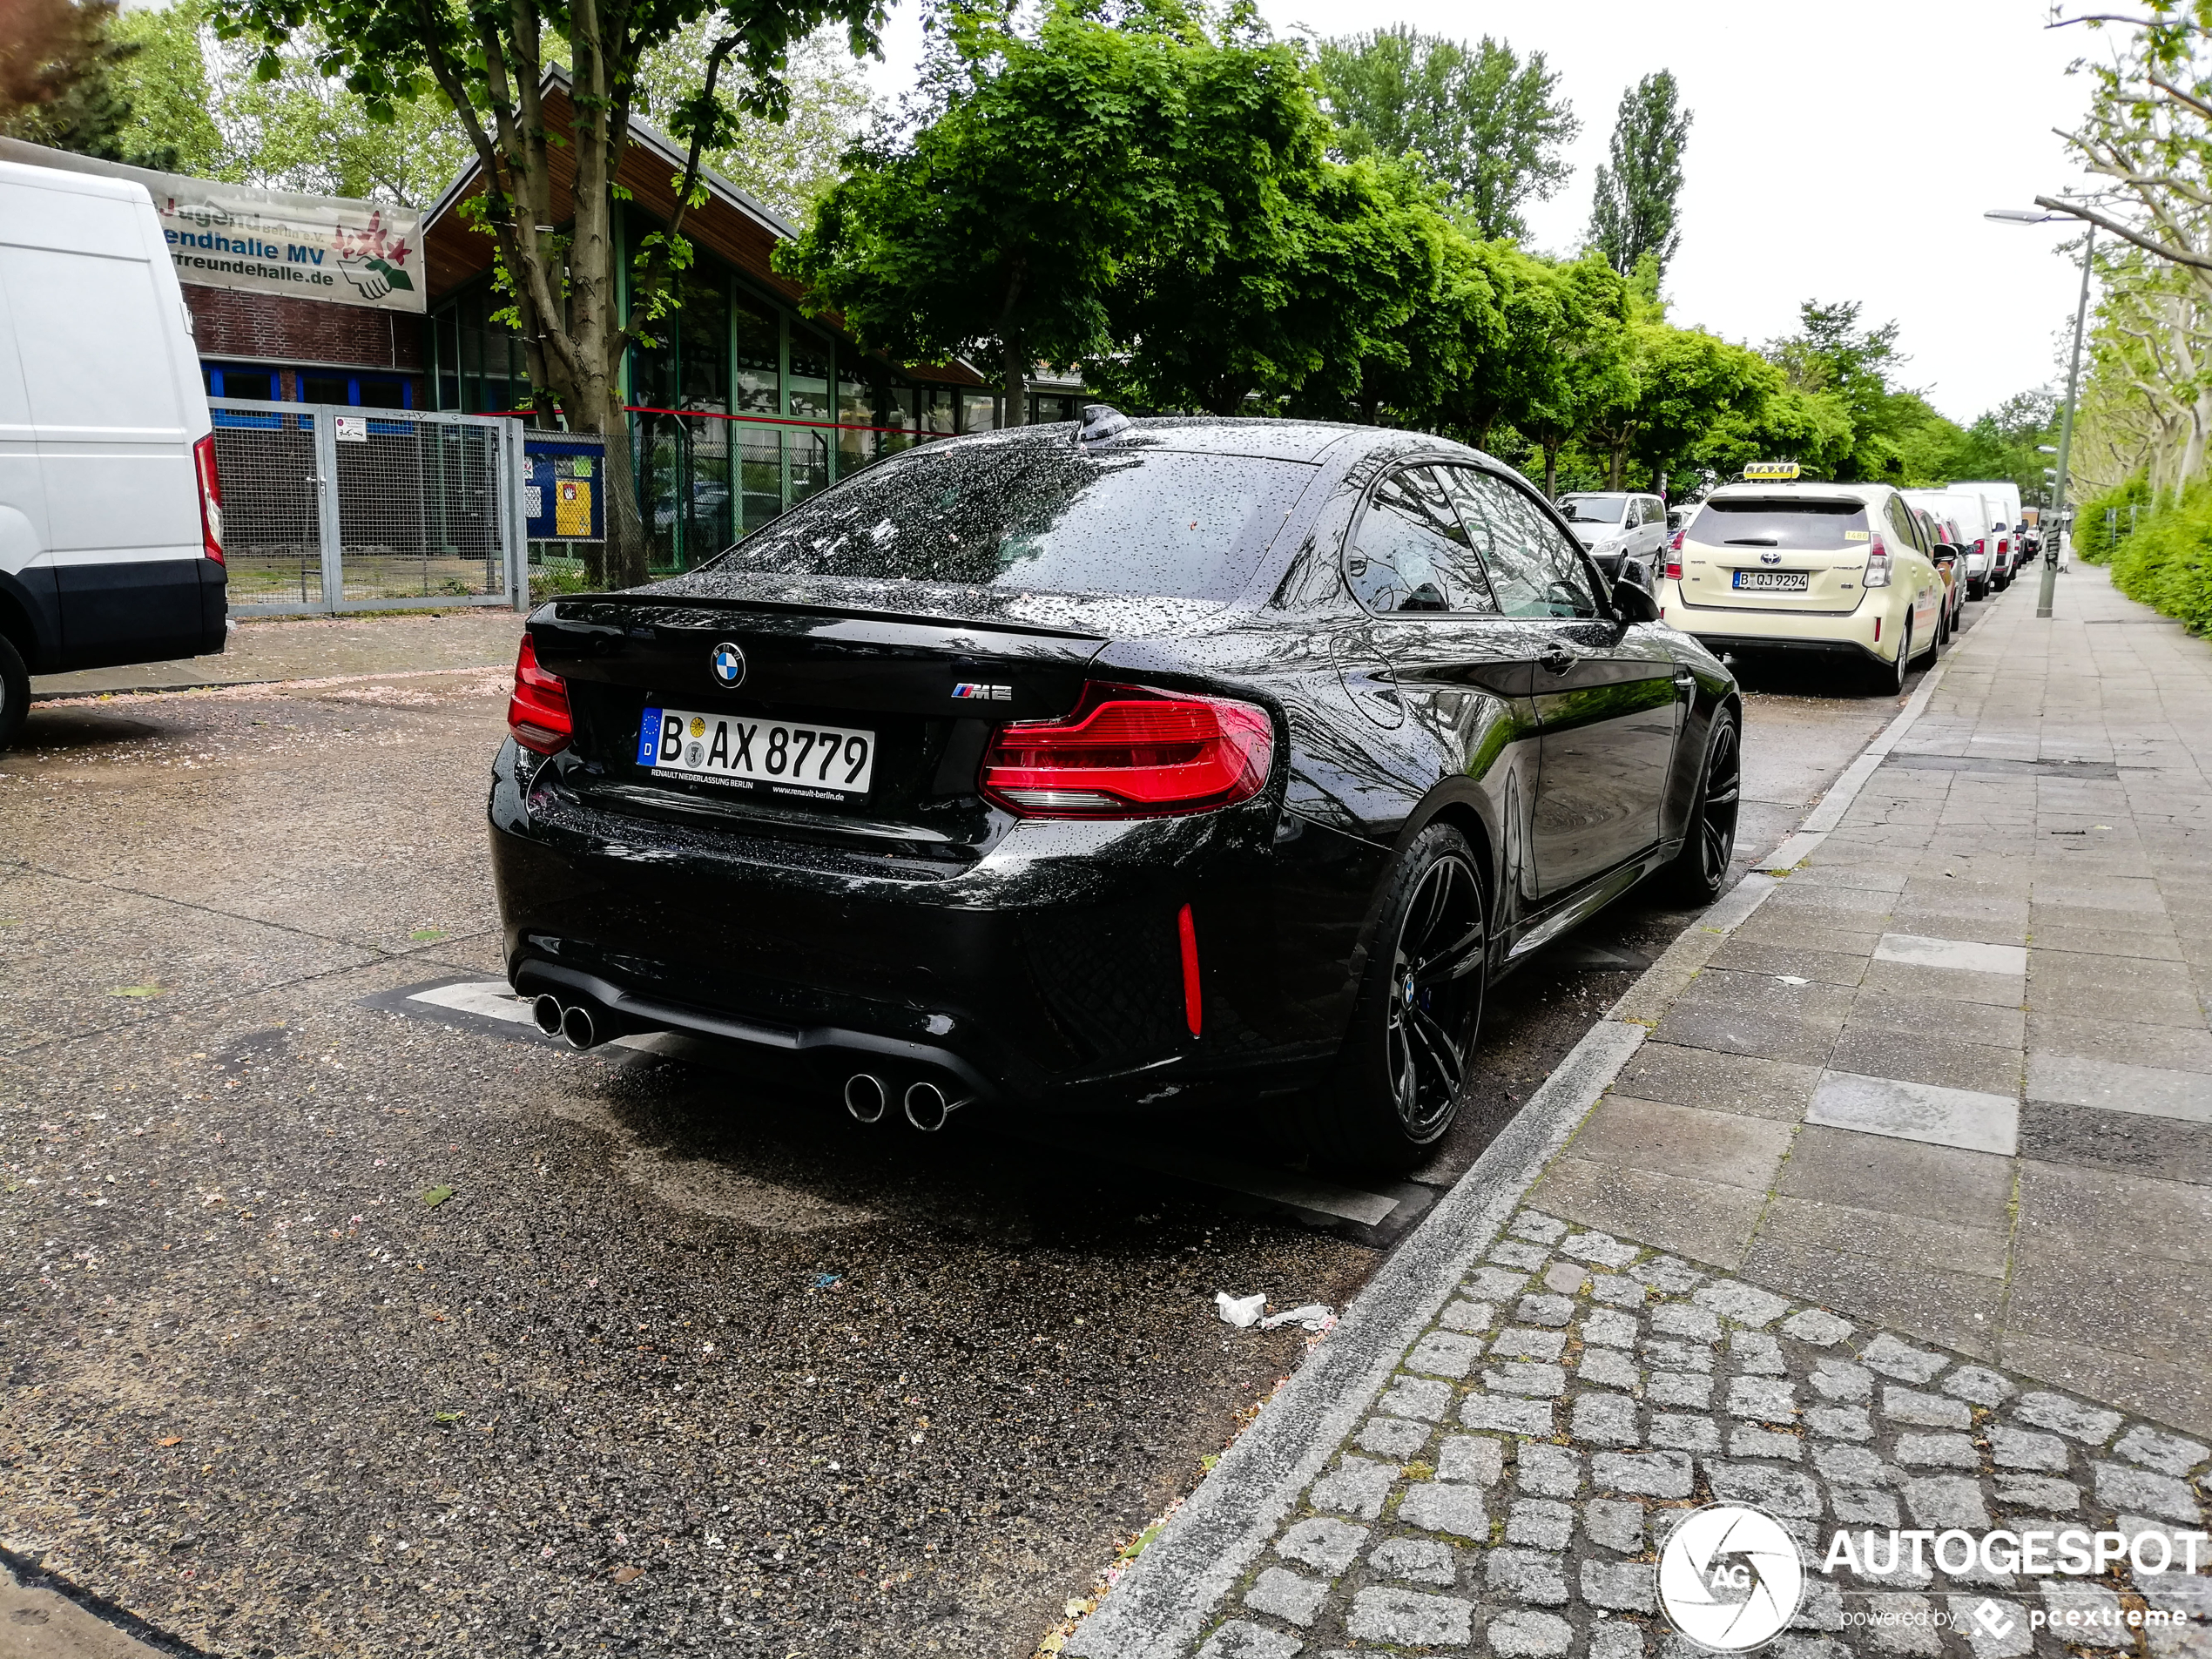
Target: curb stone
[[1164, 1601]]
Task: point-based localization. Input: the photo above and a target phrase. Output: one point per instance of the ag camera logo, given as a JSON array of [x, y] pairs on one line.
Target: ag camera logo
[[1730, 1577]]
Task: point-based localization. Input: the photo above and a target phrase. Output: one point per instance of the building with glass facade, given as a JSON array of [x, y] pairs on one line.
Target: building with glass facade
[[744, 405]]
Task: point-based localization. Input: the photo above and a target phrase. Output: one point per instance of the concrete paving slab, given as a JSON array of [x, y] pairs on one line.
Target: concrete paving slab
[[1704, 1220], [1767, 1036], [2174, 1047], [1722, 1083], [1684, 1140], [1941, 1061], [1963, 955], [2102, 1209], [1958, 1310], [1980, 1251], [1945, 984], [2104, 941], [1994, 924], [2179, 1395], [1900, 1177], [2127, 1141], [1989, 1024], [1759, 956], [2132, 989], [2155, 1091], [1969, 1120]]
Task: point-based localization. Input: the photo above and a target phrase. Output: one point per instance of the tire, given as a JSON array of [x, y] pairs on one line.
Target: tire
[[1700, 870], [1887, 679], [15, 694], [1403, 1076]]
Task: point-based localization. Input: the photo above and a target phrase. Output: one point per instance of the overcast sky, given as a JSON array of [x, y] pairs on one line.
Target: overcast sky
[[1839, 152]]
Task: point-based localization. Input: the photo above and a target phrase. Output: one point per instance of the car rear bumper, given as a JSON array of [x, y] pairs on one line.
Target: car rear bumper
[[1048, 974], [1847, 634]]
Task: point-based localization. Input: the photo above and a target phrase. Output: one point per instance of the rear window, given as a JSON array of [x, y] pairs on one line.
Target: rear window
[[1592, 509], [1799, 525], [1035, 512]]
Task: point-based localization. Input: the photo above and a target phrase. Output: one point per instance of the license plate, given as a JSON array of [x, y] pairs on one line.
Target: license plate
[[783, 757], [1773, 581]]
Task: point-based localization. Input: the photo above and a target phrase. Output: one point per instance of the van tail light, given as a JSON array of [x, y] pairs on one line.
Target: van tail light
[[211, 498], [1129, 752], [538, 711], [2004, 546], [1672, 567], [1878, 564], [1981, 547]]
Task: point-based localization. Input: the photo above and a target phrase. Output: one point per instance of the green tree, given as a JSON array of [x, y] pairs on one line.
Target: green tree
[[789, 163], [489, 60], [1488, 126], [1569, 324], [175, 100], [1048, 163], [1634, 213], [61, 63]]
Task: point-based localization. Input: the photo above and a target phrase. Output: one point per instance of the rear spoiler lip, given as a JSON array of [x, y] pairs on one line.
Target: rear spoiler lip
[[786, 608]]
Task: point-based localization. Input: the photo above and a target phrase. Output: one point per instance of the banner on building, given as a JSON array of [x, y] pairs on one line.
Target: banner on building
[[272, 241]]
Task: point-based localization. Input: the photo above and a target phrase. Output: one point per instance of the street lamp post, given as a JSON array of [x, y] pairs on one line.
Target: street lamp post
[[2047, 591]]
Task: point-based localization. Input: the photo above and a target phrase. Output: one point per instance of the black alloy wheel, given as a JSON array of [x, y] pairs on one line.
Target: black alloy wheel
[[1414, 1035], [1700, 870]]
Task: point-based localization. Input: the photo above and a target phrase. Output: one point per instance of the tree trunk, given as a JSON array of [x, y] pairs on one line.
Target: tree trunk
[[1551, 470], [1619, 467], [1017, 382]]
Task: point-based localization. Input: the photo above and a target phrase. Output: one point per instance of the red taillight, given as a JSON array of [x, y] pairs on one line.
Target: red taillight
[[538, 713], [1878, 566], [1981, 547], [1188, 935], [1128, 753], [2004, 545], [1674, 564], [211, 498]]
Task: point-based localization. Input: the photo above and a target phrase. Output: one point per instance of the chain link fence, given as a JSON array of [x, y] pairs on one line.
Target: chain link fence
[[329, 508]]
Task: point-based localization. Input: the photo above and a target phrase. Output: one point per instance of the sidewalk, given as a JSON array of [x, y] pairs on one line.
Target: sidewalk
[[313, 648], [1904, 1144]]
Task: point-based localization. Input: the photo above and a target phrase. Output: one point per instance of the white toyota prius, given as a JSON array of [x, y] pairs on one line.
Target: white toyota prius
[[1840, 570]]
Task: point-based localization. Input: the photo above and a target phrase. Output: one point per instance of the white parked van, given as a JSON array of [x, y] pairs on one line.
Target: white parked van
[[111, 515], [2006, 546], [1975, 513]]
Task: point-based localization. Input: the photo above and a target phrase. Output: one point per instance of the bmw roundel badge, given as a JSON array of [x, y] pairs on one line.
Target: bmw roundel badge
[[729, 664]]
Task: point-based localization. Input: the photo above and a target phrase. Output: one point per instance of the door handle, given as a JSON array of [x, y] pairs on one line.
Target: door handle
[[1557, 658]]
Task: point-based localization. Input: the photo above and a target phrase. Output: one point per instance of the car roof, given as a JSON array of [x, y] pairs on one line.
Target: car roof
[[1868, 493], [1238, 435]]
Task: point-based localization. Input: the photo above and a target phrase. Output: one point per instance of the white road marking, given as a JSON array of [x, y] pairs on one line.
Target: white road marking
[[490, 998]]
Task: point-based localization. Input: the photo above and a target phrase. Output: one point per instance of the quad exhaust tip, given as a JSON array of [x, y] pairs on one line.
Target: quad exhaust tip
[[578, 1028], [867, 1097], [926, 1107]]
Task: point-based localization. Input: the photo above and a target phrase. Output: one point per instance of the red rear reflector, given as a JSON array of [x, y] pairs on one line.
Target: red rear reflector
[[211, 498], [1129, 752], [1189, 934], [538, 713]]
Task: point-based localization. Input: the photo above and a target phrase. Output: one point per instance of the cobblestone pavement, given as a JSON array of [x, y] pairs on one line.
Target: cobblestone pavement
[[1955, 1075], [1516, 1478]]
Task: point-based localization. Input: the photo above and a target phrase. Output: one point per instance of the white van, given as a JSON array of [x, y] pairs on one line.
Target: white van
[[1975, 513], [2006, 544], [111, 515]]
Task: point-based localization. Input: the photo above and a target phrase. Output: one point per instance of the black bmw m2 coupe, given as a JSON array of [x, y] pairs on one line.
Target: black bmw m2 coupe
[[1132, 764]]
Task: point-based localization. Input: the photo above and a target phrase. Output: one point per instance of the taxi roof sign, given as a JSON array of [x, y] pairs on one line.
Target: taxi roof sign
[[1770, 472]]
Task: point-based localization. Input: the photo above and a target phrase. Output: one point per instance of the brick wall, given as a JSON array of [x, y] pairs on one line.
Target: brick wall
[[229, 323]]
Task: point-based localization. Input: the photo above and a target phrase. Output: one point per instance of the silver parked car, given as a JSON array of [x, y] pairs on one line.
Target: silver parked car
[[1625, 531]]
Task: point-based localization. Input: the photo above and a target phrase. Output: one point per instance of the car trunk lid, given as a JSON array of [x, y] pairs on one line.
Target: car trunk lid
[[1788, 553]]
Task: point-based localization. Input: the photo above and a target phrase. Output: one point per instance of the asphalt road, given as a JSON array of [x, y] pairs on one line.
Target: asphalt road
[[340, 1321]]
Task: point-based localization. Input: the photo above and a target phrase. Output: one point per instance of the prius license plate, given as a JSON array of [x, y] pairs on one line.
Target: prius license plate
[[1772, 581], [785, 758]]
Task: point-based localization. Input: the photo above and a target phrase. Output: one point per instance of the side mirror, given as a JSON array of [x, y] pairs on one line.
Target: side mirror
[[1944, 550], [1632, 603]]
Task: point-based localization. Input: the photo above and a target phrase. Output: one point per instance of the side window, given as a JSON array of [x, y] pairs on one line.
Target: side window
[[1412, 552], [1901, 521], [1533, 569]]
